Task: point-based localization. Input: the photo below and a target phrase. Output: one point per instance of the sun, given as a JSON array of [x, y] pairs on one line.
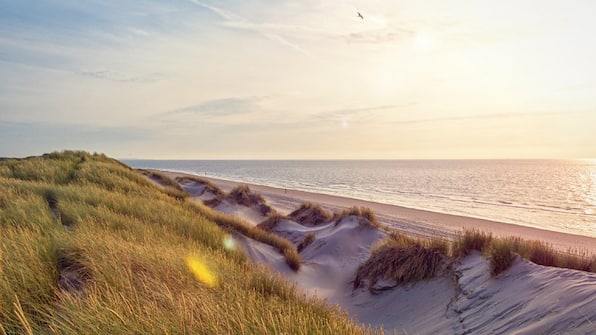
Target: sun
[[423, 41]]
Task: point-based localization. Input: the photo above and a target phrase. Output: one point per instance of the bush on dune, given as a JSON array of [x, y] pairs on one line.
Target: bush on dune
[[471, 240], [311, 214], [393, 265], [272, 221], [242, 195], [501, 252], [308, 239], [366, 216]]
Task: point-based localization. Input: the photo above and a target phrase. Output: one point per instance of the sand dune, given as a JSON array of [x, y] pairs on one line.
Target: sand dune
[[525, 299]]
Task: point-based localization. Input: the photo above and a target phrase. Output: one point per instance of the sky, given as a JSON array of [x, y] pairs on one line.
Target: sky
[[289, 79]]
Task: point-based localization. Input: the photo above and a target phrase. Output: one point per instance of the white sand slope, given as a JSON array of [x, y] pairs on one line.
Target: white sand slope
[[197, 190], [525, 299], [249, 214]]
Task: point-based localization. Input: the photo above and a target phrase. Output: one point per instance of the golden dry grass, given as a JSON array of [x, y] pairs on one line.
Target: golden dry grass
[[122, 263], [311, 214], [395, 265], [242, 195], [366, 216]]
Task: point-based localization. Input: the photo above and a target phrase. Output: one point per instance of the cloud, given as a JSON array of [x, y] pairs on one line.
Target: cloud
[[481, 116], [351, 111], [115, 76], [223, 107], [236, 21], [379, 36]]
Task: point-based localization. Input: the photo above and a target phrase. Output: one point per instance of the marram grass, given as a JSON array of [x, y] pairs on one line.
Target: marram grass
[[76, 219]]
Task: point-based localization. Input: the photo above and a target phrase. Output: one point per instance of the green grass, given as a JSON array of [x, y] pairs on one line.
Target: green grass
[[125, 252]]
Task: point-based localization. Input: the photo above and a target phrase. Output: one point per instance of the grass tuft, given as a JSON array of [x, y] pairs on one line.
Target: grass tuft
[[393, 265], [501, 256], [242, 195], [501, 252], [366, 216], [308, 239], [272, 221], [471, 240], [311, 214]]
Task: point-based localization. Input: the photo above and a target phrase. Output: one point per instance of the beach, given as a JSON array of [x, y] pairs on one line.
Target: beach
[[412, 221]]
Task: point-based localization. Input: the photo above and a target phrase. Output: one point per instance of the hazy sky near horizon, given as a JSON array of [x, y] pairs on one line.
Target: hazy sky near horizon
[[289, 79]]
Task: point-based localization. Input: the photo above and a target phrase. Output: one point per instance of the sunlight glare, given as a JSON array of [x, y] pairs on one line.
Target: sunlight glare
[[423, 42], [229, 243], [201, 272]]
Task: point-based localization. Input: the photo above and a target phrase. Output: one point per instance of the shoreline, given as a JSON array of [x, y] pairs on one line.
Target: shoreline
[[417, 222]]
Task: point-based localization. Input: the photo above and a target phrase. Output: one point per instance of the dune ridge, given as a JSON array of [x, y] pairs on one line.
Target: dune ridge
[[460, 295]]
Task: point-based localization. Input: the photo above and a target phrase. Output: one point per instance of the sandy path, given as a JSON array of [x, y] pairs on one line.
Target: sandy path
[[413, 221]]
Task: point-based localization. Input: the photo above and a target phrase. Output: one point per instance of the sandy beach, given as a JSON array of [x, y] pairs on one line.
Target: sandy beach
[[413, 221]]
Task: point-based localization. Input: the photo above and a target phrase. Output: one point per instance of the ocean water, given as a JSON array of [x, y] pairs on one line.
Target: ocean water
[[557, 195]]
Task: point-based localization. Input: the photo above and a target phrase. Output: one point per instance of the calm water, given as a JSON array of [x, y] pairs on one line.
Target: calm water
[[552, 194]]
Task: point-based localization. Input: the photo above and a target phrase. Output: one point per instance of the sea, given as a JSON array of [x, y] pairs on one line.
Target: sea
[[558, 195]]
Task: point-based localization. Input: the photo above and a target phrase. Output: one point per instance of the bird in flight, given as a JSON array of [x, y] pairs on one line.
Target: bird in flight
[[360, 15]]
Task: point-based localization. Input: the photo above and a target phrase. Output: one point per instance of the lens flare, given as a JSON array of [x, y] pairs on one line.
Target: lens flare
[[229, 243], [201, 272]]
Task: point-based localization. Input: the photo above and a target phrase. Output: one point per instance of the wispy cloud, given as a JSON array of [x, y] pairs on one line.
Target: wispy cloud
[[223, 107], [339, 114], [115, 76], [236, 21], [483, 116], [379, 36]]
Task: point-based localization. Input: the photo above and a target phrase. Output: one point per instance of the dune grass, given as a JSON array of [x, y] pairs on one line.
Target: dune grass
[[209, 186], [272, 221], [402, 259], [393, 265], [242, 195], [366, 216], [120, 268], [308, 239], [501, 252], [311, 214], [171, 187], [232, 223]]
